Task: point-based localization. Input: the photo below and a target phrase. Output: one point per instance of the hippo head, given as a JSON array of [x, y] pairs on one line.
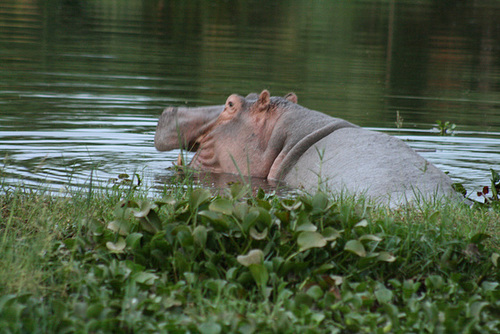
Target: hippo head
[[246, 138]]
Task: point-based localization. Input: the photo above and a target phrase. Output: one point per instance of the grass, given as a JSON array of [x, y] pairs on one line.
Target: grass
[[112, 259]]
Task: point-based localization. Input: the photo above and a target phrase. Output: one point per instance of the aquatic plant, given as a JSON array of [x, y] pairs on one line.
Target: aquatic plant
[[190, 261], [445, 128], [494, 188]]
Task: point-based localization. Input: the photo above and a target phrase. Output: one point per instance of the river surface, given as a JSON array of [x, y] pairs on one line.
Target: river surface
[[82, 83]]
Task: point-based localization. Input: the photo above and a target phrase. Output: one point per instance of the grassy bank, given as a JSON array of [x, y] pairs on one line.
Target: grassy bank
[[114, 260]]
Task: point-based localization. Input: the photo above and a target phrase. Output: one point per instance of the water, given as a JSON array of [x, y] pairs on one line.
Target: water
[[82, 83]]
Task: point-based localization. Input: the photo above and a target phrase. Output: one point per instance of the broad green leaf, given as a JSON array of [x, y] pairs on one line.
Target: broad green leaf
[[256, 235], [144, 208], [476, 308], [489, 286], [240, 210], [386, 257], [370, 237], [315, 292], [250, 219], [337, 279], [255, 256], [200, 235], [434, 281], [222, 205], [306, 227], [210, 328], [494, 259], [134, 240], [259, 274], [356, 247], [362, 223], [121, 227], [319, 202], [117, 247], [291, 205], [145, 278], [198, 197], [383, 295], [330, 234], [238, 190], [307, 240]]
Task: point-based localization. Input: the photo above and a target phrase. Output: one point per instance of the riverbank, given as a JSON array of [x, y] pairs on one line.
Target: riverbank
[[112, 259]]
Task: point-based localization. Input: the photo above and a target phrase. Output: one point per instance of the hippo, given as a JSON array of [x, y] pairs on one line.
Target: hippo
[[275, 138]]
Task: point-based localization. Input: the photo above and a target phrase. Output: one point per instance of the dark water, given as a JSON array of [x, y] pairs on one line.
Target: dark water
[[83, 82]]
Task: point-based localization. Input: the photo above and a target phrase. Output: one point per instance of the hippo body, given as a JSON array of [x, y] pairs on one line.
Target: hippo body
[[277, 139]]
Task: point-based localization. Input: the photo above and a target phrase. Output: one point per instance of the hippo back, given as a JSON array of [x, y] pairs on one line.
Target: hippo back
[[379, 166]]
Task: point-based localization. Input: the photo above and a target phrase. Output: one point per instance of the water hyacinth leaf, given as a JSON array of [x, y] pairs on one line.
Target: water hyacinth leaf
[[147, 226], [238, 190], [330, 234], [264, 216], [198, 197], [476, 308], [200, 235], [117, 247], [209, 328], [145, 278], [319, 202], [151, 222], [218, 223], [256, 235], [386, 257], [489, 286], [356, 247], [434, 282], [240, 210], [291, 205], [259, 273], [121, 227], [307, 240], [250, 219], [222, 205], [362, 223], [383, 295], [306, 227], [144, 208], [255, 256], [370, 237], [315, 292], [134, 240], [494, 259], [337, 279]]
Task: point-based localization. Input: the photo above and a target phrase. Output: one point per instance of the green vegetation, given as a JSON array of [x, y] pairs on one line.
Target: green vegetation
[[114, 260], [445, 128]]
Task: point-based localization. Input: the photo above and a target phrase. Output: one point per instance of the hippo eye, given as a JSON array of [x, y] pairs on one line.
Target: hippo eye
[[230, 104]]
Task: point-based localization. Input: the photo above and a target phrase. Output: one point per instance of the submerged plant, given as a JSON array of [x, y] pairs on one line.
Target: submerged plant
[[445, 128]]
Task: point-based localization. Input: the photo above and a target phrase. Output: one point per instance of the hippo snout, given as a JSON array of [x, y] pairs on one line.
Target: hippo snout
[[165, 129]]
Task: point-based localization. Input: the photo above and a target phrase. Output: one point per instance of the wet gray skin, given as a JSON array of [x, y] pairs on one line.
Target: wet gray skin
[[277, 139]]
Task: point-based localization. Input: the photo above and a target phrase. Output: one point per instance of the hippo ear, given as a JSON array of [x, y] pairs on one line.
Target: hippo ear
[[291, 97], [264, 100]]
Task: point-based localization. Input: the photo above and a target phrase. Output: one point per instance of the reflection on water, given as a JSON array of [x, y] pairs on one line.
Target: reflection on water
[[83, 82]]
